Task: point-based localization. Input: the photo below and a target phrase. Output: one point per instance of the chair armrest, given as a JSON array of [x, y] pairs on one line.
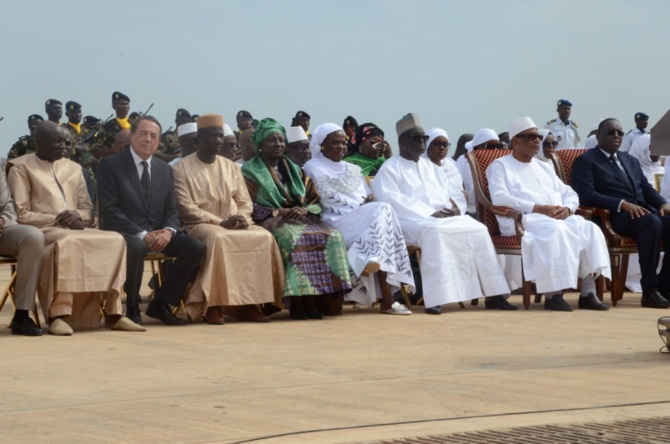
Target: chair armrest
[[613, 238], [585, 212], [508, 212]]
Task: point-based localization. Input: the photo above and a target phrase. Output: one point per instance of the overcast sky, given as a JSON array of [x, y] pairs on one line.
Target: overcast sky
[[460, 65]]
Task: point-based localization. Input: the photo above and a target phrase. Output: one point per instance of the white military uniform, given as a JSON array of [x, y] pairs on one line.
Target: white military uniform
[[566, 135], [630, 137]]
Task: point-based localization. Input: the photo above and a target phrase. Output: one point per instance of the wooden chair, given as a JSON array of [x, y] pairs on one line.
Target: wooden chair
[[619, 247], [11, 286], [486, 212], [156, 261]]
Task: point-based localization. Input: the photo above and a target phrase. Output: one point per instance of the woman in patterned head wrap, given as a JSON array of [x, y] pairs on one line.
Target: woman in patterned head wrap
[[369, 148], [287, 204]]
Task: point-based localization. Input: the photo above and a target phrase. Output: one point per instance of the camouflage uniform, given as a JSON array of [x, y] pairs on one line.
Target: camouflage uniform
[[105, 138], [86, 158], [25, 145], [170, 143]]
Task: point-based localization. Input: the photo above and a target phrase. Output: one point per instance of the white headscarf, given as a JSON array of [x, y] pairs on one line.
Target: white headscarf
[[640, 150], [319, 135], [540, 154], [433, 134], [483, 136]]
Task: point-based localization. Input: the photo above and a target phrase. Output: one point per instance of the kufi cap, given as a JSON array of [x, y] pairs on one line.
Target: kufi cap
[[296, 134], [484, 135], [244, 114], [433, 134], [33, 117], [227, 130], [71, 106], [52, 102], [181, 112], [350, 121], [91, 119], [210, 121], [519, 125], [408, 122], [468, 146], [561, 103], [319, 135], [187, 128], [302, 114], [641, 115], [119, 96]]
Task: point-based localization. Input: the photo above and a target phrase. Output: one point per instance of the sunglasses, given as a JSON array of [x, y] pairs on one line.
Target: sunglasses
[[553, 144], [614, 132], [418, 137], [441, 144], [529, 136], [492, 146]]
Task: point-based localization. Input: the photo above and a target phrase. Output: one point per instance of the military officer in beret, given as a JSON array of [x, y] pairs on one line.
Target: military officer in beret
[[92, 122], [80, 151], [302, 119], [104, 144], [564, 129], [54, 110], [26, 144], [244, 119], [641, 122], [169, 148]]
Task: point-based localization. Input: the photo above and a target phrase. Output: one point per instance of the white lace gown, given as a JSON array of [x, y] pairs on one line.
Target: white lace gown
[[371, 231]]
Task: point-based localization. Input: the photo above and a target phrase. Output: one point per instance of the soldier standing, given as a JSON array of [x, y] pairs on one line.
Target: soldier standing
[[104, 145], [26, 144], [170, 149], [564, 129]]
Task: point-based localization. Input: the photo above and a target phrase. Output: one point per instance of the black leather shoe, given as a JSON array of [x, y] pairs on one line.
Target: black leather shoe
[[556, 303], [313, 313], [25, 326], [134, 314], [437, 310], [162, 312], [298, 315], [653, 299], [498, 303], [591, 302]]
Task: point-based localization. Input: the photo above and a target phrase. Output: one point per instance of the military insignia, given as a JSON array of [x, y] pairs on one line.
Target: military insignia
[[116, 96], [551, 121]]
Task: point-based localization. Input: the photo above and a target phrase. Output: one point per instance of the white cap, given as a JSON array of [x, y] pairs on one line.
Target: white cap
[[296, 134], [187, 128], [519, 125], [227, 131], [468, 146], [483, 136]]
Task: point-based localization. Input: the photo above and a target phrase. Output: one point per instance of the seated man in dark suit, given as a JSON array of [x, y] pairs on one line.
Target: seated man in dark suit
[[606, 178], [136, 198]]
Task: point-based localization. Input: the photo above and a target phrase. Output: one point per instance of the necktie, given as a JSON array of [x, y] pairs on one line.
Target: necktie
[[620, 169], [146, 180]]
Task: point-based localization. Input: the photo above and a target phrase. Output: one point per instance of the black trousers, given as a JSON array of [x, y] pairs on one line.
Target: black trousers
[[649, 230], [188, 251]]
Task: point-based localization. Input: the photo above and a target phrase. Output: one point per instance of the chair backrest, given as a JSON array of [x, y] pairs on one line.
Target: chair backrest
[[563, 161], [479, 161]]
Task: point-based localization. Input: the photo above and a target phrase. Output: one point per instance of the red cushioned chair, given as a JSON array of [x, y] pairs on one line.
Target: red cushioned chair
[[619, 247], [486, 212]]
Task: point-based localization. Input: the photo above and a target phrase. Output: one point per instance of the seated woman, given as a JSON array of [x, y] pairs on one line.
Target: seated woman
[[377, 250], [286, 203], [369, 148], [437, 148], [549, 145]]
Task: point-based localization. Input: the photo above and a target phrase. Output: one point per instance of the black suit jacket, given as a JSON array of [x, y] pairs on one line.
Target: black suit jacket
[[596, 181], [122, 204]]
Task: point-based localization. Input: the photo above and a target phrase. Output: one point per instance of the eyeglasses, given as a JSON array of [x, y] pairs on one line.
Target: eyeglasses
[[418, 137], [492, 146], [441, 144], [553, 144], [529, 136], [614, 132]]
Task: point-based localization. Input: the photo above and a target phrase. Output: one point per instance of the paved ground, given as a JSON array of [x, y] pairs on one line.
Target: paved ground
[[362, 377]]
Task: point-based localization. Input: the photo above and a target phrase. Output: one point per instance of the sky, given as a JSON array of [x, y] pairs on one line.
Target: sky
[[459, 65]]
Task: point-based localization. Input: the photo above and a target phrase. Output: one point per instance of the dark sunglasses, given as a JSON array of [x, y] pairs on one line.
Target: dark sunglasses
[[613, 132], [441, 144], [418, 137], [553, 144], [529, 136], [492, 146]]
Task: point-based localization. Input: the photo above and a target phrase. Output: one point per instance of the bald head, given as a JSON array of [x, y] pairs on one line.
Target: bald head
[[50, 141], [247, 145]]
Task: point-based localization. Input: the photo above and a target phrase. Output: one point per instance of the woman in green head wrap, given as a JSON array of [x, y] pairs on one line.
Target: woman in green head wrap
[[286, 203]]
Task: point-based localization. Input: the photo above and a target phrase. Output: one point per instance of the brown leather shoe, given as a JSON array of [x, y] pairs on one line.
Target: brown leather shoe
[[249, 313], [214, 316]]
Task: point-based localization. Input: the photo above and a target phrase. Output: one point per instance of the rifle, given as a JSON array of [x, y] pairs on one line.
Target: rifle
[[2, 118], [92, 134], [148, 109]]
